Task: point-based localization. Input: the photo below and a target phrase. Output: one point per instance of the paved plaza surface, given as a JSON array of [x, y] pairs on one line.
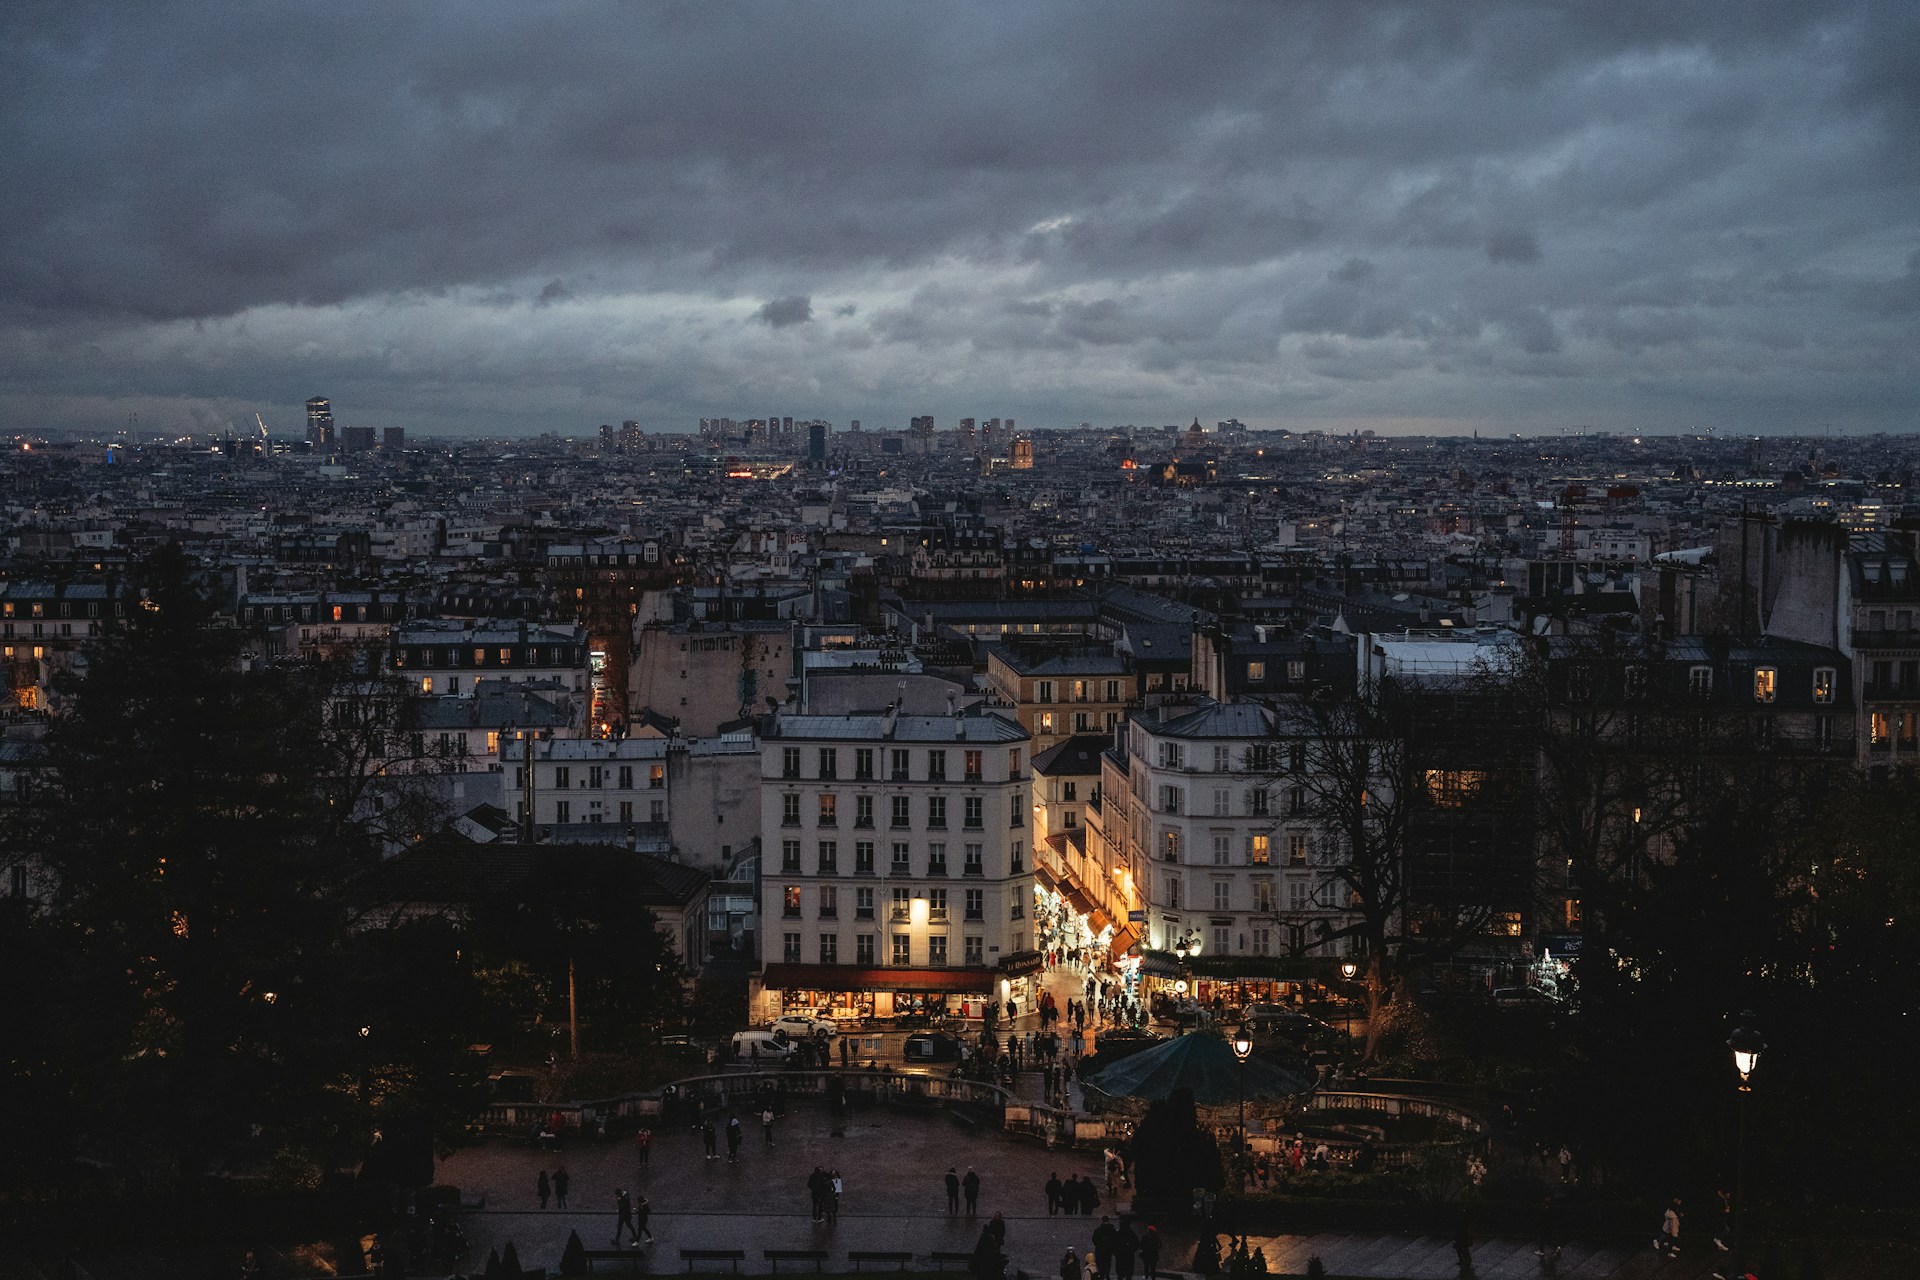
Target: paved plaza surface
[[893, 1164]]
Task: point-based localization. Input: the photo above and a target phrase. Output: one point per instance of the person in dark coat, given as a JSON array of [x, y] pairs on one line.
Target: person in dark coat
[[970, 1186], [1126, 1245], [561, 1181], [1103, 1238], [953, 1192], [1463, 1244], [1054, 1193], [1150, 1252], [819, 1188], [542, 1188]]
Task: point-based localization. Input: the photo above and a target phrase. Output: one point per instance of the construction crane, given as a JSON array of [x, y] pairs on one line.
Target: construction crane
[[262, 422]]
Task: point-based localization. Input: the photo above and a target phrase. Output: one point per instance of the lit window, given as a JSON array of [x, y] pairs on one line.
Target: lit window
[[1823, 684], [1763, 683], [1259, 850], [1451, 788], [1256, 671], [426, 684]]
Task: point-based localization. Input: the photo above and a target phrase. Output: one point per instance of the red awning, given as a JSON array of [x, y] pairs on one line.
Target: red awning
[[840, 977]]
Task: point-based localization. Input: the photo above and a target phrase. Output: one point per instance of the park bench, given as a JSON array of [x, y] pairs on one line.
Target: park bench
[[734, 1256], [898, 1260], [942, 1257], [631, 1259], [774, 1257]]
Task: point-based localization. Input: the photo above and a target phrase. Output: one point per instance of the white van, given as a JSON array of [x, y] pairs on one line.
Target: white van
[[768, 1046]]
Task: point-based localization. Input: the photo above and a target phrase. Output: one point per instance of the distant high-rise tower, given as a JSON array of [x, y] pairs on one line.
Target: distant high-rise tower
[[394, 438], [816, 442], [319, 422]]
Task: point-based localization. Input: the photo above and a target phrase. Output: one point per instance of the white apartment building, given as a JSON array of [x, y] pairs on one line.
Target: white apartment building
[[895, 869], [1215, 823], [618, 781]]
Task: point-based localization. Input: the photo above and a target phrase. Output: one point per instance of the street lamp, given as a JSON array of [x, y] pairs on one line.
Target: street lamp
[[1347, 969], [1242, 1049], [1747, 1046]]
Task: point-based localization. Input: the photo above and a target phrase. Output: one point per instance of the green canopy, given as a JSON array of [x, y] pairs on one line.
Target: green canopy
[[1203, 1063]]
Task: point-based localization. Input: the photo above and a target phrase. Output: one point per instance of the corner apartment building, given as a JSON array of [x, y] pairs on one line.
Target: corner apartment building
[[1214, 821], [895, 870]]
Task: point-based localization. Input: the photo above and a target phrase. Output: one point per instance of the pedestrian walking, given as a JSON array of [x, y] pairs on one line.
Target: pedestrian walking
[[561, 1181], [710, 1138], [623, 1205], [766, 1124], [817, 1189], [1549, 1250], [1103, 1238], [834, 1187], [1668, 1241], [1722, 1220], [1150, 1252], [1054, 1190], [1070, 1266], [953, 1191], [642, 1212], [1463, 1245], [1126, 1246], [643, 1144], [542, 1188], [970, 1186], [735, 1135]]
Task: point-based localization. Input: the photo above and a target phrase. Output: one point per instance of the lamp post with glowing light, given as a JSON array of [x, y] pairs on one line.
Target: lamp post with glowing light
[[1242, 1049], [1747, 1046], [1347, 969]]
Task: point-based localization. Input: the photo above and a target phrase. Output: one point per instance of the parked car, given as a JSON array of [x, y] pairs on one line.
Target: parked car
[[934, 1046], [768, 1045], [805, 1025]]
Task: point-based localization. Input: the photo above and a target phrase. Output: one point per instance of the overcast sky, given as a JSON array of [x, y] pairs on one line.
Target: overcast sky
[[510, 217]]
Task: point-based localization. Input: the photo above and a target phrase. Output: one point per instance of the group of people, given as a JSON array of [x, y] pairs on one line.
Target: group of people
[[1075, 1195], [1238, 1259], [554, 1187], [824, 1187], [1295, 1158], [1113, 1254], [736, 1134], [957, 1186]]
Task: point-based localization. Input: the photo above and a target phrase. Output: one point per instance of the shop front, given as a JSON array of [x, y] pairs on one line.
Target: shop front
[[1020, 980], [857, 994], [1234, 982]]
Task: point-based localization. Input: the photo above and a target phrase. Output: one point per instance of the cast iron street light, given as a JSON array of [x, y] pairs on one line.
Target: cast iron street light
[[1347, 969], [1242, 1049], [1747, 1046]]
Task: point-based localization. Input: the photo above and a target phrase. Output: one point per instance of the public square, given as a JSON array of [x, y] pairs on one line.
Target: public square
[[893, 1165]]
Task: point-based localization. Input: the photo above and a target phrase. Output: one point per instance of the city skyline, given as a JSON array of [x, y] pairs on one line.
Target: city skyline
[[489, 222]]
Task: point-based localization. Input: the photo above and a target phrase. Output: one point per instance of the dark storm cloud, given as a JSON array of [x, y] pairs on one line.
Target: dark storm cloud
[[1089, 208], [781, 312]]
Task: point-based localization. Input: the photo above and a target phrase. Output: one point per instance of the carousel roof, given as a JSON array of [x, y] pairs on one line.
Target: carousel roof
[[1206, 1065]]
